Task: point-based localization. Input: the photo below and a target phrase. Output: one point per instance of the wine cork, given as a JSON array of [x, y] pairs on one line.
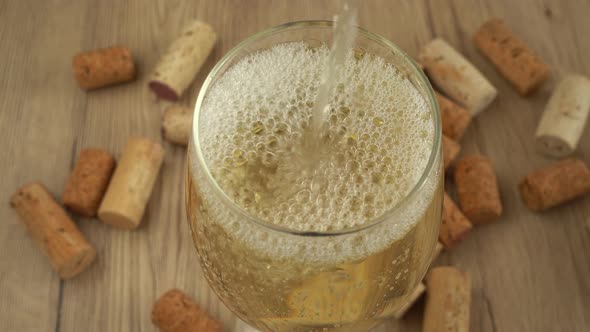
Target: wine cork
[[455, 119], [556, 184], [177, 124], [454, 226], [178, 66], [456, 77], [50, 226], [103, 67], [520, 65], [564, 118], [477, 189], [176, 312], [448, 298], [414, 296], [88, 182], [129, 191], [451, 150]]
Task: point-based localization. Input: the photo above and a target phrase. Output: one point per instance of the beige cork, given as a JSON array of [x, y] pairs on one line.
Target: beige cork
[[455, 119], [177, 124], [130, 188], [457, 77], [451, 150], [103, 67], [477, 189], [448, 298], [519, 64], [182, 61], [556, 184], [454, 226], [50, 226], [564, 118], [88, 182], [176, 312]]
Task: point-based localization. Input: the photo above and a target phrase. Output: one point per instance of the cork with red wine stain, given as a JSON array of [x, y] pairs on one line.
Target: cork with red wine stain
[[182, 61]]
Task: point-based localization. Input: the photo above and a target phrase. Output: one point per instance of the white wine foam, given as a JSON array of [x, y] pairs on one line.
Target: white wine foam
[[254, 132], [255, 125]]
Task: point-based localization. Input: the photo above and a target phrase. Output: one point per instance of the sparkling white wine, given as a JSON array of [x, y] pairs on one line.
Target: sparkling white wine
[[265, 216]]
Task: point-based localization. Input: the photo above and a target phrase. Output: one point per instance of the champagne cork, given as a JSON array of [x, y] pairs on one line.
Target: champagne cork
[[454, 226], [130, 188], [451, 150], [456, 77], [176, 312], [414, 296], [178, 66], [103, 67], [556, 184], [88, 182], [520, 65], [177, 124], [50, 226], [455, 119], [477, 189], [448, 298], [564, 118]]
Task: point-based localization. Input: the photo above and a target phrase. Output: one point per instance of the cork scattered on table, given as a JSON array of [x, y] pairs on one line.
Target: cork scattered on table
[[454, 225], [564, 118], [451, 150], [182, 61], [456, 77], [477, 189], [513, 58], [103, 67], [88, 182], [455, 119], [177, 124], [130, 188], [69, 252], [448, 298], [556, 184], [174, 311]]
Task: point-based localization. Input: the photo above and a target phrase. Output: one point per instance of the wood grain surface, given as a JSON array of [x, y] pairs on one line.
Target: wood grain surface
[[531, 272]]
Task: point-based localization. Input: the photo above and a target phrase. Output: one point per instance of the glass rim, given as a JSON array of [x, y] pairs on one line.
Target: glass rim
[[373, 222]]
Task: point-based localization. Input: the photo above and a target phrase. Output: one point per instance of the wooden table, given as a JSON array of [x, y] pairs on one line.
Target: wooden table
[[531, 272]]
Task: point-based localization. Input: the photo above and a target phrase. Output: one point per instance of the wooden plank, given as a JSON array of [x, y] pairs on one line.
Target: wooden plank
[[530, 271], [37, 121]]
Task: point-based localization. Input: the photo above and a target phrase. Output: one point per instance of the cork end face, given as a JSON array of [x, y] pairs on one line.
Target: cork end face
[[484, 216], [484, 101], [552, 146], [163, 91], [78, 263], [117, 220]]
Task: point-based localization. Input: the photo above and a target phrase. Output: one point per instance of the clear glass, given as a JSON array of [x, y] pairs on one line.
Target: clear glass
[[277, 279]]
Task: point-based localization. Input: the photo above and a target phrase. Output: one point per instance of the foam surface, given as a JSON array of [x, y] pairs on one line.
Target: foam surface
[[256, 140]]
